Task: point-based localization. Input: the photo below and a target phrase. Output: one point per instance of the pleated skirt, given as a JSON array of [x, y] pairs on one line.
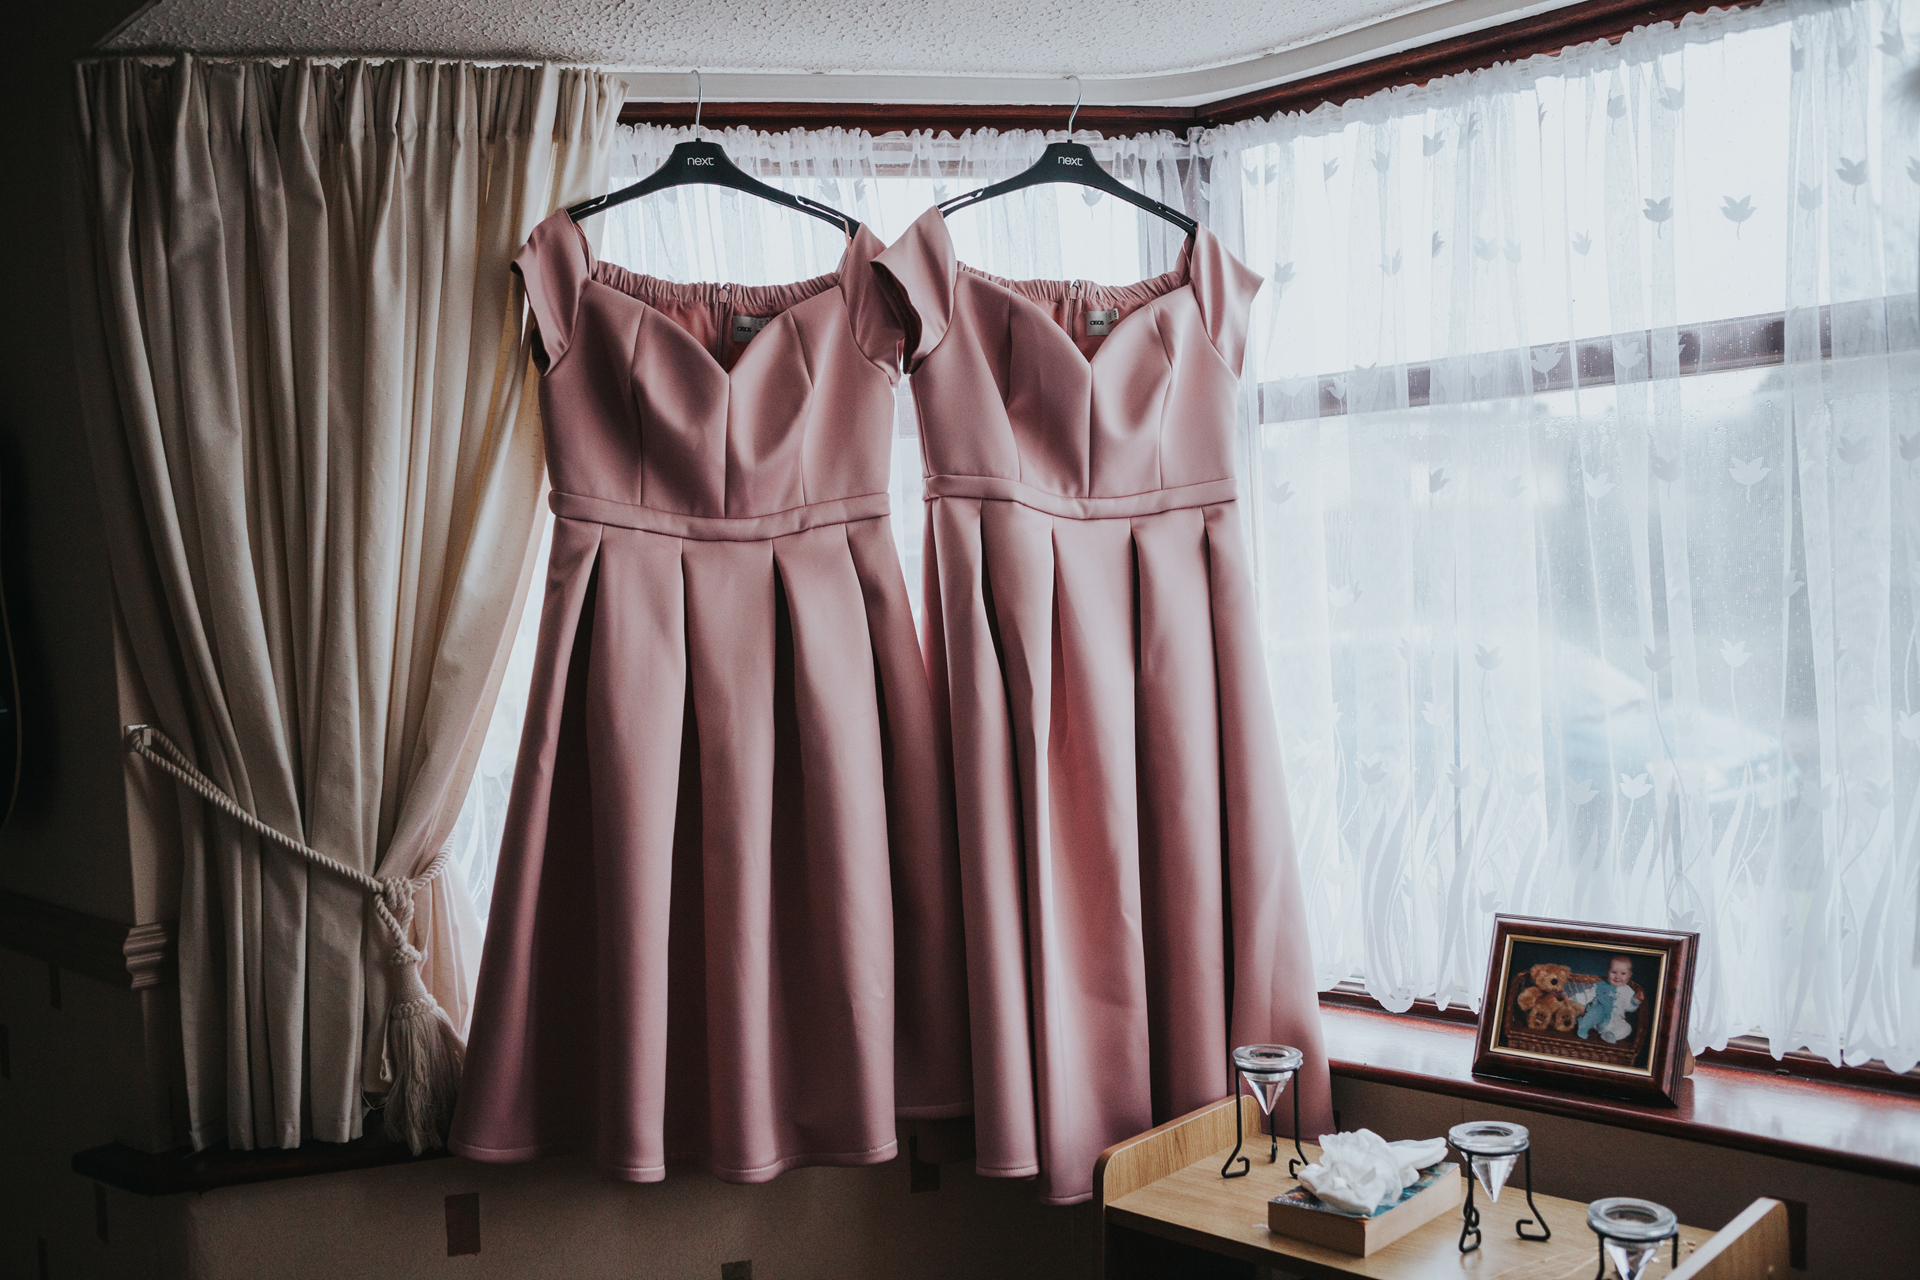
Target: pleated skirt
[[729, 802], [1131, 900]]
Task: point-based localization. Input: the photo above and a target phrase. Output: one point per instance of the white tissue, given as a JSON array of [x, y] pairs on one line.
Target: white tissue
[[1360, 1172]]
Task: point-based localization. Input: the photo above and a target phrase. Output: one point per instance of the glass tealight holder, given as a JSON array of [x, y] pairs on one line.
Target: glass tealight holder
[[1630, 1233], [1266, 1069], [1492, 1148]]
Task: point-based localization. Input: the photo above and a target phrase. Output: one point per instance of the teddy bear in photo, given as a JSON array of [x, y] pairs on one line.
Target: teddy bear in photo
[[1546, 1003]]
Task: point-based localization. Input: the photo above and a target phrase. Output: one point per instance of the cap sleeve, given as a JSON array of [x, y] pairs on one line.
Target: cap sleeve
[[1224, 287], [555, 268], [916, 273], [875, 327]]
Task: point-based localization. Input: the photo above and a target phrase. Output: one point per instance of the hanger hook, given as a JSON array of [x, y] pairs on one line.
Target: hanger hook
[[1079, 92], [700, 98]]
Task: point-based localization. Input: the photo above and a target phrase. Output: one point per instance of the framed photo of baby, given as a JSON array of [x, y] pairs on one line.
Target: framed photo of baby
[[1597, 1007]]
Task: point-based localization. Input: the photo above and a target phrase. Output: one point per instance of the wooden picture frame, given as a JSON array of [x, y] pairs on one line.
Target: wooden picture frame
[[1556, 1013]]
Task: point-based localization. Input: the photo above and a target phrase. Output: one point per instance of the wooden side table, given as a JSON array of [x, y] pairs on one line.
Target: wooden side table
[[1166, 1182]]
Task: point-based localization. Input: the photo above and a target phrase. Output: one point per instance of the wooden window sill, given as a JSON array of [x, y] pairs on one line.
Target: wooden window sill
[[1840, 1126], [165, 1173]]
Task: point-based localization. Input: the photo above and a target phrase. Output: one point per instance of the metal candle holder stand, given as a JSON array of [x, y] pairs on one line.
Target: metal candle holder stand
[[1296, 1162], [1658, 1222], [1470, 1215]]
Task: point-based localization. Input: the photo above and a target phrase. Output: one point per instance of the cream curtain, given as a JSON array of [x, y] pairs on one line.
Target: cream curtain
[[319, 456]]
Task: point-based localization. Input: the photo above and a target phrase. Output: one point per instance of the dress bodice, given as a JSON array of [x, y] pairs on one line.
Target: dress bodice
[[1042, 403], [671, 406]]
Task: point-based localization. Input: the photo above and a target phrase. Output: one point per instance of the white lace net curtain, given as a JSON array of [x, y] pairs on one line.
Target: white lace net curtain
[[1580, 636], [1557, 623]]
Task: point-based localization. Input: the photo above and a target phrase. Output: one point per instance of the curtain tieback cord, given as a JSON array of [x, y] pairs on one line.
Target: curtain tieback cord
[[423, 1047]]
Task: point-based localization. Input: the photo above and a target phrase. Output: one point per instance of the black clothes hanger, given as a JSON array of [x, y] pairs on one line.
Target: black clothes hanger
[[1070, 162], [706, 163]]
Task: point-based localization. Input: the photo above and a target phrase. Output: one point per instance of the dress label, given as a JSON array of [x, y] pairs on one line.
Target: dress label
[[744, 327], [1100, 323]]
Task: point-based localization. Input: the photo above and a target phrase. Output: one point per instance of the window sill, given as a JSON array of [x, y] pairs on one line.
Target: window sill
[[1869, 1131], [1747, 1052], [166, 1173]]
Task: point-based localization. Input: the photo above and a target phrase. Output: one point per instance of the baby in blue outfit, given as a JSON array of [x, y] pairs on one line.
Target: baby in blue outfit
[[1608, 1003]]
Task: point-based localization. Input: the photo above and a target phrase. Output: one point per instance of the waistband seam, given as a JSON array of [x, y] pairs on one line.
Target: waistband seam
[[1204, 493], [698, 528]]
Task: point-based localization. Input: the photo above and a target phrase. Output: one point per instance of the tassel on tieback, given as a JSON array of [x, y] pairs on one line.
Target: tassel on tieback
[[427, 1057], [424, 1050]]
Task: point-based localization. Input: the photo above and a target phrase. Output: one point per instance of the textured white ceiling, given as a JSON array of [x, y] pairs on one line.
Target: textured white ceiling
[[1005, 38]]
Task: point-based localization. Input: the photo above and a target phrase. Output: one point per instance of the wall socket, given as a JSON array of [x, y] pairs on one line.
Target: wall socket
[[737, 1270], [463, 1224]]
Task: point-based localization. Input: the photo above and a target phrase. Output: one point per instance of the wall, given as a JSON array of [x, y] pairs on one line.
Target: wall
[[560, 1218], [71, 1068], [67, 840], [72, 1079]]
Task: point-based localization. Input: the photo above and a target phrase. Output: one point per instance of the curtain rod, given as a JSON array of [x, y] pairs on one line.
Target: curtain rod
[[1545, 33]]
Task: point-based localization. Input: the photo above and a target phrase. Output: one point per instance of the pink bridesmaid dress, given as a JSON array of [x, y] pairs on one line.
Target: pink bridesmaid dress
[[1131, 901], [725, 931]]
